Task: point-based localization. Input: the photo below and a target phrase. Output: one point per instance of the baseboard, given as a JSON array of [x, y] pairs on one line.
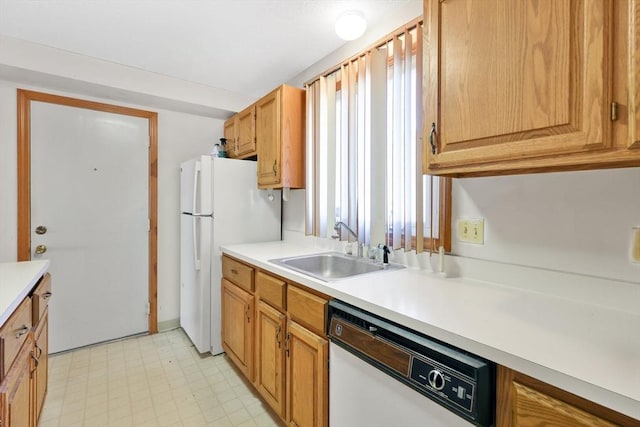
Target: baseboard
[[168, 325]]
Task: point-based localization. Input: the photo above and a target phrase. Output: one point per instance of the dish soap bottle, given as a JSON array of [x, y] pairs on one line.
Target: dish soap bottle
[[222, 149]]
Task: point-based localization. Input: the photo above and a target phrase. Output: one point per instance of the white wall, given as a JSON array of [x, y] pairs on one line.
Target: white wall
[[180, 137], [578, 222], [37, 64]]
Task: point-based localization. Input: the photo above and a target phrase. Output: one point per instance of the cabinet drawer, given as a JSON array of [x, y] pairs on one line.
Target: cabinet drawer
[[13, 334], [272, 290], [40, 298], [238, 273], [306, 308]]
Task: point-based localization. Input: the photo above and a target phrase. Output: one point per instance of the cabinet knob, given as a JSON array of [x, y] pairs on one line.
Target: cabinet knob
[[20, 332], [40, 249]]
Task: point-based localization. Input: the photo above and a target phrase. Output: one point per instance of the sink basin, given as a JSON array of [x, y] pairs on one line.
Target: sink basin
[[333, 265]]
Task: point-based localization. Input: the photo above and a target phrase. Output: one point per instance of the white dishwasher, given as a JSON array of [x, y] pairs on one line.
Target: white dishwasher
[[382, 374]]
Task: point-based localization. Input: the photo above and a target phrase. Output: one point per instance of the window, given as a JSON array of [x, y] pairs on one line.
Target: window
[[364, 151]]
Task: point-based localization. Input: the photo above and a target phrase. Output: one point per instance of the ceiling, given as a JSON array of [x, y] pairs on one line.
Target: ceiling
[[244, 46]]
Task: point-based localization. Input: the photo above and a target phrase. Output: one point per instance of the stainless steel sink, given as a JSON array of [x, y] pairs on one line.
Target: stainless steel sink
[[333, 265]]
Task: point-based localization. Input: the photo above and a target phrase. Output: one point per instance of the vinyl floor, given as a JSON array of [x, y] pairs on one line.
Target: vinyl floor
[[148, 381]]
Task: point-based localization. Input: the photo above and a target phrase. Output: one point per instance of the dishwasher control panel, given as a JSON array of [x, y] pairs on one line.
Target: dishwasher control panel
[[462, 382], [445, 383]]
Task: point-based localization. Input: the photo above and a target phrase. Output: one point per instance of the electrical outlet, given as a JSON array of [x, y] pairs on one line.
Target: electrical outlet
[[635, 244], [471, 231]]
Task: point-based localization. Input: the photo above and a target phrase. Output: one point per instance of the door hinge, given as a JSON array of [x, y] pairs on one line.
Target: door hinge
[[148, 308], [148, 224], [614, 111]]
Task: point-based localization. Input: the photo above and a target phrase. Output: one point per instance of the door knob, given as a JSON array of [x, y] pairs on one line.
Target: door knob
[[40, 249], [41, 229]]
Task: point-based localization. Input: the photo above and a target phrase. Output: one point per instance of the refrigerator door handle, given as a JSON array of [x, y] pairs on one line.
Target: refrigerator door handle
[[196, 246], [196, 185]]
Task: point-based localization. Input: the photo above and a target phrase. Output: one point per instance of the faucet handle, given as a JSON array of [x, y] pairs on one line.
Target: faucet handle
[[348, 249]]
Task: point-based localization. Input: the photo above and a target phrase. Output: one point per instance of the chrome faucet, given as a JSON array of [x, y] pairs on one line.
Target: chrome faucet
[[336, 228], [336, 235]]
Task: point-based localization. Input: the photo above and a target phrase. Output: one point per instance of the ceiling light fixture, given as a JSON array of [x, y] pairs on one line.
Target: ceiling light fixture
[[351, 25]]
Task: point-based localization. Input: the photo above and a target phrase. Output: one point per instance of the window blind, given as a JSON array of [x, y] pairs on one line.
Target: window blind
[[364, 149]]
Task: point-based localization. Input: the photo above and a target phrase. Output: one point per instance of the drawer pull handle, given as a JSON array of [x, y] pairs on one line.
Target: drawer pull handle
[[234, 271], [22, 331], [278, 332], [286, 344], [39, 351], [35, 363], [46, 295], [432, 137]]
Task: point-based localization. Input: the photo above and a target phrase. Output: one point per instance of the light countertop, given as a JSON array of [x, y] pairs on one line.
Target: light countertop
[[587, 349], [16, 281]]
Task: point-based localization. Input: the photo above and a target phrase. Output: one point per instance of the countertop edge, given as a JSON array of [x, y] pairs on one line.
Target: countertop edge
[[36, 274]]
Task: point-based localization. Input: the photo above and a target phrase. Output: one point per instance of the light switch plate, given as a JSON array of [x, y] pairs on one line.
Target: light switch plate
[[471, 231]]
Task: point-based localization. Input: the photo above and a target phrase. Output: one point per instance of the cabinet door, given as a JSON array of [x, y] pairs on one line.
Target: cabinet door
[[269, 141], [523, 401], [246, 132], [307, 377], [270, 332], [230, 134], [41, 373], [513, 79], [15, 391], [237, 326]]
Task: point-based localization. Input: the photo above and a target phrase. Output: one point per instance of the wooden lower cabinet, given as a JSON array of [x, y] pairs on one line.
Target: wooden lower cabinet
[[273, 331], [523, 401], [41, 372], [15, 391], [307, 377], [237, 326], [270, 366], [24, 357]]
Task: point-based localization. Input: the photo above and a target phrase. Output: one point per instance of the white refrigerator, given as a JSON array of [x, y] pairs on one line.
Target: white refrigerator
[[220, 204]]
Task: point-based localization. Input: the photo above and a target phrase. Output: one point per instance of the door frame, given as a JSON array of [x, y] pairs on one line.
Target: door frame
[[24, 98]]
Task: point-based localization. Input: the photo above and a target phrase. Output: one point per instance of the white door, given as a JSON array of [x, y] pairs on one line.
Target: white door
[[89, 188]]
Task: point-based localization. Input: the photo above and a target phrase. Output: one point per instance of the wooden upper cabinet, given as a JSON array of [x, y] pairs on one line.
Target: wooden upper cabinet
[[246, 132], [230, 135], [512, 85], [240, 131], [268, 131], [280, 138]]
